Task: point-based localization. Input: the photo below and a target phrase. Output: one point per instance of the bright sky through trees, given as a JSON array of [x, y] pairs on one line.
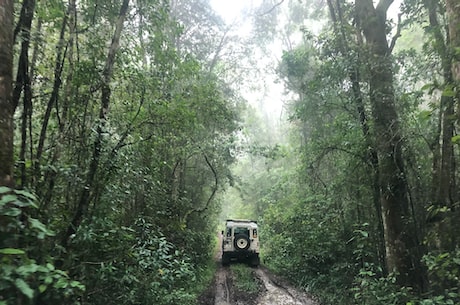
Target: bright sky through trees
[[231, 9], [238, 14]]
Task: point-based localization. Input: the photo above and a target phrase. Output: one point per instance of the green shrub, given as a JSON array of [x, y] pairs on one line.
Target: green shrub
[[370, 288], [444, 277], [307, 244], [136, 265], [25, 277]]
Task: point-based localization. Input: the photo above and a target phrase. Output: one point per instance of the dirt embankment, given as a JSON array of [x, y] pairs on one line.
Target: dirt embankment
[[273, 291]]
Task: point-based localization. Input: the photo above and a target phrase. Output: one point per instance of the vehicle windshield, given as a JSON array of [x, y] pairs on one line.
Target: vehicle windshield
[[240, 230]]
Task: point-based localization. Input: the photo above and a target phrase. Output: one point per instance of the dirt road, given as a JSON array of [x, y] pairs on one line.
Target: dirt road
[[273, 291], [280, 293]]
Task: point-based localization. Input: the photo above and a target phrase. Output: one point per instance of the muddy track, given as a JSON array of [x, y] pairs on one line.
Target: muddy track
[[274, 291], [222, 285], [280, 292]]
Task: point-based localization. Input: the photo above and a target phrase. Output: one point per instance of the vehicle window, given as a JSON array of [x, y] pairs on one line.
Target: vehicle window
[[239, 230]]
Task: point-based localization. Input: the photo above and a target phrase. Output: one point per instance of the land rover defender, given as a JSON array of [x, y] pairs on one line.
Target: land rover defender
[[240, 242]]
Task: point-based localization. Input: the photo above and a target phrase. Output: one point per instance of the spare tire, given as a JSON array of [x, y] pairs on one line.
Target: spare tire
[[241, 242]]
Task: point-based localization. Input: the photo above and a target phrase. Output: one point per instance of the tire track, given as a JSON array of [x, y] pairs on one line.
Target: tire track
[[278, 294], [222, 296]]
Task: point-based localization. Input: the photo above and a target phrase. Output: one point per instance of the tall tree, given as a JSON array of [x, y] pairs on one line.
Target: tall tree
[[444, 163], [23, 81], [453, 15], [6, 99], [400, 243], [354, 75], [107, 73]]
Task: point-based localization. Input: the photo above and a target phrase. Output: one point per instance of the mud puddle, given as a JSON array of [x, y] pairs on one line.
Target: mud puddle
[[280, 293]]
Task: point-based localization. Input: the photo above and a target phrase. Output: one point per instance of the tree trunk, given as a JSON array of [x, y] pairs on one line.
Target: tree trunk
[[6, 99], [50, 176], [58, 67], [401, 254], [444, 192], [90, 183], [23, 82], [357, 94], [453, 16]]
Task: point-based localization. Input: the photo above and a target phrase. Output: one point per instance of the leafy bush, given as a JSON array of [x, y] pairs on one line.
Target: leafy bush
[[444, 274], [443, 269], [371, 288], [23, 278], [307, 245], [135, 265]]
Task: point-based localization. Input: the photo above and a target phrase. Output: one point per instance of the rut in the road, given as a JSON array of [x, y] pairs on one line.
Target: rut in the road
[[273, 292], [222, 290], [277, 294]]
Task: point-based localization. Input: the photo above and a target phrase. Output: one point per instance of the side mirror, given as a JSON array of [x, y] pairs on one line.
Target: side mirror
[[222, 232]]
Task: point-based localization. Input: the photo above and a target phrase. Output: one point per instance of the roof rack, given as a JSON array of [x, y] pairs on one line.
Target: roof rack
[[242, 220]]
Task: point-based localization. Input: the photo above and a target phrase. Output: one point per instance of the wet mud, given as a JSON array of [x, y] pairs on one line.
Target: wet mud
[[273, 291]]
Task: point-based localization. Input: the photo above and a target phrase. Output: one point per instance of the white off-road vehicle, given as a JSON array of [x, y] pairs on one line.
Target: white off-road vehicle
[[240, 242]]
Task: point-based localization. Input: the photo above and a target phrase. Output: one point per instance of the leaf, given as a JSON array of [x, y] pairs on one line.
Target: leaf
[[48, 279], [26, 194], [456, 139], [24, 288], [427, 87], [42, 288], [28, 269], [37, 224], [12, 212], [50, 266], [7, 199], [4, 190], [425, 114], [448, 92], [12, 251]]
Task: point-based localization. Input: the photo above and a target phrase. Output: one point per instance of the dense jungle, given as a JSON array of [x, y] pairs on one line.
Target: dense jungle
[[131, 129]]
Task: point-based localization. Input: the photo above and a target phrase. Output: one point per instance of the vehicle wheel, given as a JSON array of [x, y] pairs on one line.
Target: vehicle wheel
[[241, 242], [225, 260], [255, 261]]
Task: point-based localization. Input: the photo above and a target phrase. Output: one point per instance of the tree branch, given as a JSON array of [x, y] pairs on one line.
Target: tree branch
[[383, 6], [214, 191], [397, 35], [272, 9]]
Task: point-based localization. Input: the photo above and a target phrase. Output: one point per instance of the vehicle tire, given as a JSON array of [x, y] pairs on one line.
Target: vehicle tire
[[225, 260], [241, 242], [255, 261]]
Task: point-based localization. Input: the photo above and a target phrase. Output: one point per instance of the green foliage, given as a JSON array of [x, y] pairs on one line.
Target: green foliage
[[24, 275], [371, 288], [444, 273], [163, 157], [307, 245], [135, 265]]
